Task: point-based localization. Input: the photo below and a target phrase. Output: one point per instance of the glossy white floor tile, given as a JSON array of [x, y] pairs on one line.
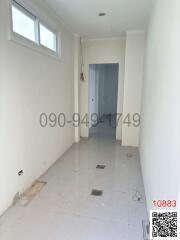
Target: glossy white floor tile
[[65, 210]]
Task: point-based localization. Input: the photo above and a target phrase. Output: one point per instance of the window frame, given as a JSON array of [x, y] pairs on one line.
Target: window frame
[[51, 30], [29, 15], [35, 45]]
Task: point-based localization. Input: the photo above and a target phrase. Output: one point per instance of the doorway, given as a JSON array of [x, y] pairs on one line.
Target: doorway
[[103, 96]]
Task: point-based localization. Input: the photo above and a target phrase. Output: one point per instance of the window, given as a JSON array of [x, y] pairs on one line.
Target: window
[[27, 25], [27, 29], [48, 38]]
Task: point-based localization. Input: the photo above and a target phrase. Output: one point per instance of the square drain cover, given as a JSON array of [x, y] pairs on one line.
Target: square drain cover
[[100, 166], [129, 155], [97, 193]]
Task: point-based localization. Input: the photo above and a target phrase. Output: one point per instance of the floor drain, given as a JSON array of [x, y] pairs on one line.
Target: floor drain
[[100, 166], [129, 155], [97, 193]]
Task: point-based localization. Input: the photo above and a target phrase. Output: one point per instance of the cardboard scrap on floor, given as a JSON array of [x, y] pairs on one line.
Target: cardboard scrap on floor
[[28, 196]]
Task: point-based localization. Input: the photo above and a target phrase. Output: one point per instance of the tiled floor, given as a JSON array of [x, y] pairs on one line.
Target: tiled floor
[[65, 210]]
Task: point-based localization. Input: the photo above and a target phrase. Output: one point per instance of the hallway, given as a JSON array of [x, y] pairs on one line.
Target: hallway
[[65, 208], [64, 65]]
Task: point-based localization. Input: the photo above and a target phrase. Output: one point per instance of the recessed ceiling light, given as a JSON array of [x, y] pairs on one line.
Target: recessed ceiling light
[[102, 14]]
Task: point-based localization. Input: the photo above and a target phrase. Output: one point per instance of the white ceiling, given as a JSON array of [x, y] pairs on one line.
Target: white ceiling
[[122, 15]]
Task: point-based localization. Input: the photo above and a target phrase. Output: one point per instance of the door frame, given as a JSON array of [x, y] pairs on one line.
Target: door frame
[[95, 64]]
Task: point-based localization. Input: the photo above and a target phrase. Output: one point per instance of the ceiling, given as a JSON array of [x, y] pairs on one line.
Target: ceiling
[[122, 15]]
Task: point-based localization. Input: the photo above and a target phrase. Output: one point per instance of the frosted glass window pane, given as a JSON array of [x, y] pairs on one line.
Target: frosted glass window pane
[[48, 38], [23, 25]]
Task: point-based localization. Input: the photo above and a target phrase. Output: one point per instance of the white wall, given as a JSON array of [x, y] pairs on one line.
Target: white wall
[[160, 131], [31, 83], [77, 71], [98, 52], [134, 63], [178, 201]]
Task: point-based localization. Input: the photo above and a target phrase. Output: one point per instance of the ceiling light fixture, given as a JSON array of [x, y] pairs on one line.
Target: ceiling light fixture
[[102, 14]]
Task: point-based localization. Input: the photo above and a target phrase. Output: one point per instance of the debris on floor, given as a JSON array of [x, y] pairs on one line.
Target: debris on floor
[[27, 197], [146, 229], [137, 197], [16, 198]]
